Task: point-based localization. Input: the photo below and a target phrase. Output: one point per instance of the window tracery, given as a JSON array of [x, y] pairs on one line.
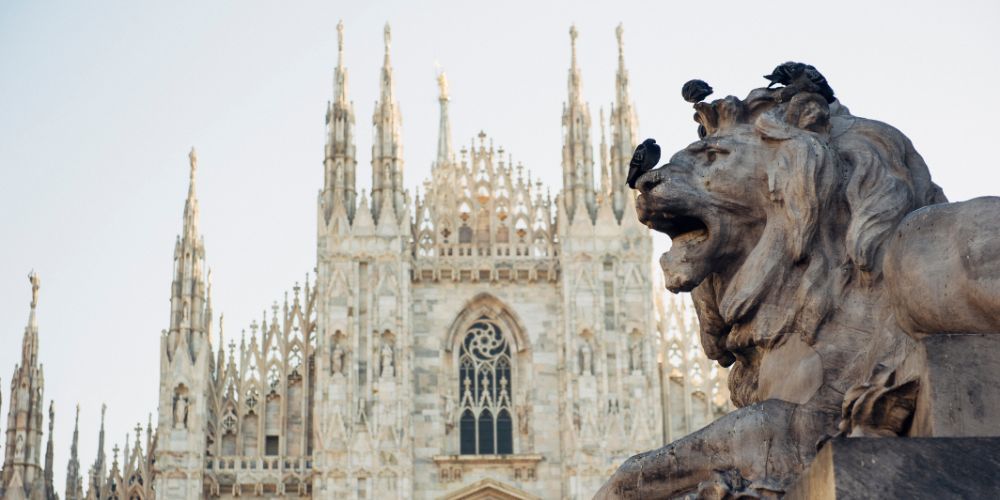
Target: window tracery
[[485, 385]]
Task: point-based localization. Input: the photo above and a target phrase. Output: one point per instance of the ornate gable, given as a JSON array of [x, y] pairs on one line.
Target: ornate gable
[[489, 489]]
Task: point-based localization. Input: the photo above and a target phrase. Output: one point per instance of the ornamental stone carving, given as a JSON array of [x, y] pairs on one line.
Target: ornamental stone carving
[[820, 256]]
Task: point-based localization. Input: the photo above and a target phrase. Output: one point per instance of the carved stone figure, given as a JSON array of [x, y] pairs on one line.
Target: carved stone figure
[[635, 355], [337, 359], [180, 412], [386, 361], [36, 283], [586, 359], [817, 249], [448, 413]]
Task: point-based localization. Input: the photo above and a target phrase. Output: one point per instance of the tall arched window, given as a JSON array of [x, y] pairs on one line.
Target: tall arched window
[[484, 364]]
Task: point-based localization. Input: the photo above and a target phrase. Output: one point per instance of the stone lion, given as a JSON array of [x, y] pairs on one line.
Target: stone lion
[[817, 251]]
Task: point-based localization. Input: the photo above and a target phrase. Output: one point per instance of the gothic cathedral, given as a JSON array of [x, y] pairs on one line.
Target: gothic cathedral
[[481, 339]]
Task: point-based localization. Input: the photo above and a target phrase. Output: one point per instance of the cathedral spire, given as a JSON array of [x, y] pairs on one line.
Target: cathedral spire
[[29, 344], [445, 152], [74, 488], [387, 148], [22, 454], [624, 123], [186, 355], [191, 203], [50, 490], [577, 153], [340, 161], [606, 184], [190, 312], [97, 470]]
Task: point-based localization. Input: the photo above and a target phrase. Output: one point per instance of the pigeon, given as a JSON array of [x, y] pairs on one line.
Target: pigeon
[[803, 76], [695, 91], [645, 158]]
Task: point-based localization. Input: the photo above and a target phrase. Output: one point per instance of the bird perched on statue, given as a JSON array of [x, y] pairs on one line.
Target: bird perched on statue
[[645, 158], [802, 76], [695, 91]]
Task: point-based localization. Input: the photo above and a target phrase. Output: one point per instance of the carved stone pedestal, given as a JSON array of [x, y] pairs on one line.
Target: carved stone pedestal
[[959, 386], [913, 468]]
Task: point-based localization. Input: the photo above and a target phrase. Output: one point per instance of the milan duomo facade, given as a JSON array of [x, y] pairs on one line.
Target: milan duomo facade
[[480, 340]]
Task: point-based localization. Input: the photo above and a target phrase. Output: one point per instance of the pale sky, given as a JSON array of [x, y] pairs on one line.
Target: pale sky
[[101, 101]]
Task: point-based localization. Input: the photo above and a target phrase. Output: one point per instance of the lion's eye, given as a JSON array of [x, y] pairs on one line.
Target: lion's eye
[[712, 154]]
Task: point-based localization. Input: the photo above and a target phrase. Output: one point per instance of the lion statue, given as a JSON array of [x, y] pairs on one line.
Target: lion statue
[[817, 251]]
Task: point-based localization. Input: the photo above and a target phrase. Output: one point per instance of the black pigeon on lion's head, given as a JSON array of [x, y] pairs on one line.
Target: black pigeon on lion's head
[[645, 158], [803, 77]]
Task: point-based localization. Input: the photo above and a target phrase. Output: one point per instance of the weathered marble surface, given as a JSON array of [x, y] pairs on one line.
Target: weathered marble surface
[[914, 468], [959, 389], [818, 252]]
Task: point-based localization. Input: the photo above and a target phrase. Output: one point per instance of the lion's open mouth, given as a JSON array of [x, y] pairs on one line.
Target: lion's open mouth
[[689, 259], [684, 265], [683, 229]]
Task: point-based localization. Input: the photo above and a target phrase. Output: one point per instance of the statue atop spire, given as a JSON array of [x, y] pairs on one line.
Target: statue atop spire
[[387, 35], [193, 160], [340, 40], [36, 283], [573, 33], [442, 85]]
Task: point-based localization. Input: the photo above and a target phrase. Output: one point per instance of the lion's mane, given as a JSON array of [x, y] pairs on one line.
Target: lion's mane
[[830, 167]]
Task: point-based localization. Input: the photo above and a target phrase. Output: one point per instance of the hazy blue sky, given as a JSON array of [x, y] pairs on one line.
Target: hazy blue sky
[[100, 102]]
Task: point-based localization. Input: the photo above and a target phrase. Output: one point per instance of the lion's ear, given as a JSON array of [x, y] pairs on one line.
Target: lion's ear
[[810, 112]]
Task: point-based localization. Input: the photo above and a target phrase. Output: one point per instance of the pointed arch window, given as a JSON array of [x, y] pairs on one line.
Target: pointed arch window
[[485, 384]]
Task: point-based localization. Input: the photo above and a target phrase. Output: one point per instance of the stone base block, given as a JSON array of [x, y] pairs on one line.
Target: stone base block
[[912, 468], [960, 387]]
